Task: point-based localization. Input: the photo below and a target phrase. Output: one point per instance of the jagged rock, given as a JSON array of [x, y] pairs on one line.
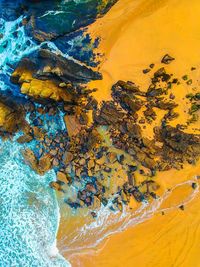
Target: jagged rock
[[26, 138], [44, 164], [137, 194], [133, 130], [112, 157], [62, 177], [109, 114], [53, 65], [127, 86], [56, 186], [150, 114], [10, 119], [153, 91], [38, 89], [91, 164], [39, 166], [72, 124], [161, 75], [165, 105], [167, 59], [178, 146]]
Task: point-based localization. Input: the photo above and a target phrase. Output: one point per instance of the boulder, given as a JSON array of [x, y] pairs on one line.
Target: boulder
[[39, 166], [54, 65], [72, 124]]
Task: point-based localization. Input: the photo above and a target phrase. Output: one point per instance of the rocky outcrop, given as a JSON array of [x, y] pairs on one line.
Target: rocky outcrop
[[52, 65], [39, 166], [64, 17]]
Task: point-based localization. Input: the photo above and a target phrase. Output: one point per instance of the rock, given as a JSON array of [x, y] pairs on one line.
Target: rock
[[90, 187], [152, 66], [107, 169], [56, 186], [96, 203], [132, 168], [167, 59], [124, 197], [30, 159], [64, 68], [133, 130], [109, 114], [55, 162], [153, 91], [26, 138], [44, 164], [150, 114], [24, 75], [72, 124], [165, 105], [11, 119], [53, 152], [91, 164], [194, 185], [38, 133], [82, 162], [62, 177], [127, 100], [39, 166], [160, 75], [145, 71], [94, 215], [131, 178], [112, 157], [137, 195]]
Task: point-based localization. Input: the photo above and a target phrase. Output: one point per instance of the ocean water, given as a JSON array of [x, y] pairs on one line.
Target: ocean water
[[29, 213]]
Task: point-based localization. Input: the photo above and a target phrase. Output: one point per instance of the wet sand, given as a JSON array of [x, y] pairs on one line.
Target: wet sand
[[134, 34]]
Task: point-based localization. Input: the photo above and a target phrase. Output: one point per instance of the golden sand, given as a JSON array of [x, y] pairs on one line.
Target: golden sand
[[134, 34]]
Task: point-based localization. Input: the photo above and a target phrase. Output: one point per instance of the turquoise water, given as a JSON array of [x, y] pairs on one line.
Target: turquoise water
[[29, 214]]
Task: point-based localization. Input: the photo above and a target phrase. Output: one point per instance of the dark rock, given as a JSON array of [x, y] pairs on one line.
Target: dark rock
[[63, 68], [152, 66], [145, 71], [167, 59], [26, 138], [109, 114], [56, 186], [194, 185]]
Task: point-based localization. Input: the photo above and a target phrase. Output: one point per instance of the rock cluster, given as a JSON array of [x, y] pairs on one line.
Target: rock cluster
[[105, 141], [49, 76]]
